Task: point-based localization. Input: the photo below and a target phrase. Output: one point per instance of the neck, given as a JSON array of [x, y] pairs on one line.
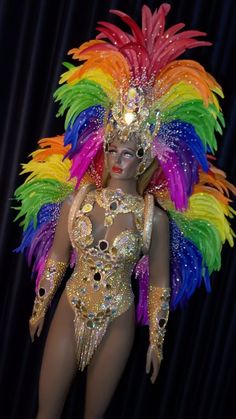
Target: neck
[[127, 186]]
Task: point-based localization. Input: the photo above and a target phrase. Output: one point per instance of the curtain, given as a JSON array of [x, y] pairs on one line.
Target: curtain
[[197, 377]]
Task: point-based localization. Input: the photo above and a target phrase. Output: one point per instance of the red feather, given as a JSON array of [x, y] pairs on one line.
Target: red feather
[[136, 31], [116, 33]]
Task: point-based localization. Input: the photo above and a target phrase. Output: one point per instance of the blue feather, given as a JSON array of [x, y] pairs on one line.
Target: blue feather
[[90, 119], [186, 266]]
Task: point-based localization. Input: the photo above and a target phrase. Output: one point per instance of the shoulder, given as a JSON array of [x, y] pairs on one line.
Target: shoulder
[[160, 215], [80, 194], [160, 221]]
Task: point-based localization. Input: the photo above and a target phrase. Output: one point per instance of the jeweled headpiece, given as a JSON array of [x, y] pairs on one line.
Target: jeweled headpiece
[[130, 117]]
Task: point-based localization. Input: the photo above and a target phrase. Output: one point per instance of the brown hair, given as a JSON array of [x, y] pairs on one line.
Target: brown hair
[[144, 178]]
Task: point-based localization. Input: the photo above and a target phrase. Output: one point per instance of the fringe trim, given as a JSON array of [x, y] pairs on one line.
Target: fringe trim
[[87, 339]]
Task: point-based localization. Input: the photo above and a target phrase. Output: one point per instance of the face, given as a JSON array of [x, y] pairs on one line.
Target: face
[[122, 160]]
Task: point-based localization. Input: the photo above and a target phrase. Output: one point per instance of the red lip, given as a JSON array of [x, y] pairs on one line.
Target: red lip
[[116, 169]]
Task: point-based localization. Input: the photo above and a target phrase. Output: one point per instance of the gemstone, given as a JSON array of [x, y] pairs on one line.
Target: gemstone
[[90, 324], [95, 287], [87, 208], [113, 205], [140, 152], [42, 292], [98, 264], [108, 221], [97, 276], [103, 244], [74, 300]]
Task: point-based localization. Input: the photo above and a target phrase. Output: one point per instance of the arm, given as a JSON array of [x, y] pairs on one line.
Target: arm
[[159, 291], [53, 272]]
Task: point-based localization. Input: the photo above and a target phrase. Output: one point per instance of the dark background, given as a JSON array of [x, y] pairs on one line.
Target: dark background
[[197, 377]]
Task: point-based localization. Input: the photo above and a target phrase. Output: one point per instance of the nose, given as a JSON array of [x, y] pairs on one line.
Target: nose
[[118, 158]]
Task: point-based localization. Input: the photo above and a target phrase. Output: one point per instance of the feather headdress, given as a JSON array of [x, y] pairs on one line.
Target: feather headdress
[[134, 81]]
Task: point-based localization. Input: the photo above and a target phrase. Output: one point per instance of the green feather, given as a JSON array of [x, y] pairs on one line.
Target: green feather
[[205, 237], [36, 193]]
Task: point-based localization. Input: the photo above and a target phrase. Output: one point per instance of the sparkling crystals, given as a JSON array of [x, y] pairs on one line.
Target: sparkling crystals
[[98, 264], [74, 300], [83, 290]]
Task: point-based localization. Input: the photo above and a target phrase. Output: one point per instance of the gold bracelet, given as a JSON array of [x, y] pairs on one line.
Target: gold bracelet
[[49, 283], [158, 313]]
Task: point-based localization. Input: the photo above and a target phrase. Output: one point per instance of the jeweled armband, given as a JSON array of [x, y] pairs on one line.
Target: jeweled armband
[[158, 313], [49, 282]]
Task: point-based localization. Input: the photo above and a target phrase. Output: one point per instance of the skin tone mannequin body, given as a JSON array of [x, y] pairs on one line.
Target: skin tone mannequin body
[[105, 369]]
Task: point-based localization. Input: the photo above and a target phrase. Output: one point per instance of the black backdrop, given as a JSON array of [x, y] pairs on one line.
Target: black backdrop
[[197, 378]]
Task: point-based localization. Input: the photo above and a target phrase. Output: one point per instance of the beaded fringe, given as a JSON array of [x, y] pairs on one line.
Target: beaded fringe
[[87, 339]]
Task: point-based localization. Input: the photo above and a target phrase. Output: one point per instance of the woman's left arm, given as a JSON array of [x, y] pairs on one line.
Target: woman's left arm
[[159, 290]]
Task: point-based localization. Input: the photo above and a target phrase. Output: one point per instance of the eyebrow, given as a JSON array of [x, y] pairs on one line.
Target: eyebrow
[[128, 148]]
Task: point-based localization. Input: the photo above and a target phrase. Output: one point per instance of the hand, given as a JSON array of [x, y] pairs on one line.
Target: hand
[[35, 326], [152, 359]]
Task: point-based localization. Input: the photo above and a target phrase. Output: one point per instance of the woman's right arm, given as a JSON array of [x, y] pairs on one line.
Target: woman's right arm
[[53, 272]]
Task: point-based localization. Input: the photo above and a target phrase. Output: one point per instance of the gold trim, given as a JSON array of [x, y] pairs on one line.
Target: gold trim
[[148, 222], [77, 203]]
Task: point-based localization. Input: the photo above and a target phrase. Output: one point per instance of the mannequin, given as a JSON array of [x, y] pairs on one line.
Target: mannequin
[[108, 362], [139, 126]]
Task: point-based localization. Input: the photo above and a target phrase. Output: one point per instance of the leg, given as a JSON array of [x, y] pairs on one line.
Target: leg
[[108, 364], [59, 362]]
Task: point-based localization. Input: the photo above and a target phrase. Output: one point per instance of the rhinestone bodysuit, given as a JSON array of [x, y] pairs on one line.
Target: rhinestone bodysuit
[[100, 287]]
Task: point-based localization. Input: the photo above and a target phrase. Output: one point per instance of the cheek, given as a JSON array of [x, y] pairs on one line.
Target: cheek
[[110, 160], [131, 166]]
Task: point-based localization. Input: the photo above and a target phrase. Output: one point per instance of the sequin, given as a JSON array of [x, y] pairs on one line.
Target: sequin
[[106, 266]]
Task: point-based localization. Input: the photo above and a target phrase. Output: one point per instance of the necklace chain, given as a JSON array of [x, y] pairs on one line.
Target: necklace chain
[[115, 202]]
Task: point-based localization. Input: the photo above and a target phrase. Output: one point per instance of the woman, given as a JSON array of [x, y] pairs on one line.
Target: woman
[[138, 126]]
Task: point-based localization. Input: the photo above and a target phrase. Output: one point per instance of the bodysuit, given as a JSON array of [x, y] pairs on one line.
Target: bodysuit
[[100, 290]]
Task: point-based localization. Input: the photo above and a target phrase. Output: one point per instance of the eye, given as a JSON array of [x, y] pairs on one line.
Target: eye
[[111, 151], [128, 154]]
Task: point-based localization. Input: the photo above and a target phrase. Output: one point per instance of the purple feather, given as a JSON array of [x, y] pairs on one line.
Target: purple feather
[[83, 159]]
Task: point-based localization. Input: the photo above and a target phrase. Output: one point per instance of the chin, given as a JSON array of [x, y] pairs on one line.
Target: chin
[[117, 175]]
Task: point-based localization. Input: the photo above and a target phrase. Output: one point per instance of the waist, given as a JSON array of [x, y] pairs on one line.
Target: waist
[[97, 300]]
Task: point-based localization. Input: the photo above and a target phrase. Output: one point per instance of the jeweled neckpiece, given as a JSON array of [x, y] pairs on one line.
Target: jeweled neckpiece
[[115, 202]]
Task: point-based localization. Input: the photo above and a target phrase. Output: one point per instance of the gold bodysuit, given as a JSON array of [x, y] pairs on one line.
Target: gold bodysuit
[[100, 287]]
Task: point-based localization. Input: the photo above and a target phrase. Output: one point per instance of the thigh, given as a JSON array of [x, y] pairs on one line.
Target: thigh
[[59, 361], [108, 364]]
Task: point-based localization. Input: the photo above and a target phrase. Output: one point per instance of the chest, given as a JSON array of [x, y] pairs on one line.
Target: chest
[[109, 225]]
